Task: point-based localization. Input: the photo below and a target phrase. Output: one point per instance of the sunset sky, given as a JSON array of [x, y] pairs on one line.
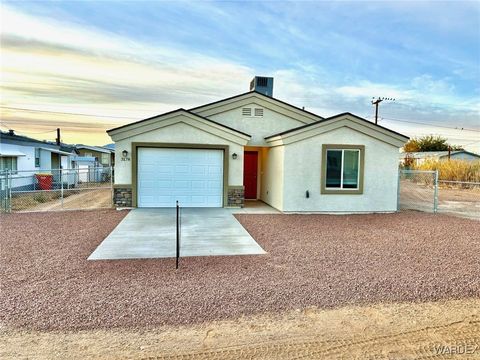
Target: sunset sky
[[87, 66]]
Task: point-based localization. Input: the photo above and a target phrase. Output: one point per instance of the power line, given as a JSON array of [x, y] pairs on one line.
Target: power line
[[9, 126], [422, 123], [303, 98], [67, 113], [134, 118]]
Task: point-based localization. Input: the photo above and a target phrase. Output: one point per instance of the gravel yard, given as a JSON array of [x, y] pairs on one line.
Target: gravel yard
[[313, 260]]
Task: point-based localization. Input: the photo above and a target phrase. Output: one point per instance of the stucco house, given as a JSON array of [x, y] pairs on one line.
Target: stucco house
[[103, 156], [23, 157], [253, 146]]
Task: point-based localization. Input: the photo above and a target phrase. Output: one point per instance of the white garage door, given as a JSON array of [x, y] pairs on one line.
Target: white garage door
[[194, 177]]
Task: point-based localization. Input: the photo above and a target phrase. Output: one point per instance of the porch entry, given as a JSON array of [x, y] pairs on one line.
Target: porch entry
[[250, 169]]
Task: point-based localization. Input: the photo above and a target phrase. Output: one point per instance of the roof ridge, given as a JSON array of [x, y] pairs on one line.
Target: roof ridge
[[258, 93], [331, 118]]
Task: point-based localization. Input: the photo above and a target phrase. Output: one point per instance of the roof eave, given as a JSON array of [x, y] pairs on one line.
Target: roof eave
[[245, 136]]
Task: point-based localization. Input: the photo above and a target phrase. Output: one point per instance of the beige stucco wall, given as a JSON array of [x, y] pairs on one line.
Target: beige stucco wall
[[272, 177], [303, 170], [271, 123], [179, 132]]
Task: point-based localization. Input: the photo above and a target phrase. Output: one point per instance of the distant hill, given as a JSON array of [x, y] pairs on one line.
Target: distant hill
[[110, 146]]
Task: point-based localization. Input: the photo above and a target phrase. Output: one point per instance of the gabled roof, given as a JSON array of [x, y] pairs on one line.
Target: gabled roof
[[179, 111], [256, 93], [269, 102], [332, 118], [94, 148]]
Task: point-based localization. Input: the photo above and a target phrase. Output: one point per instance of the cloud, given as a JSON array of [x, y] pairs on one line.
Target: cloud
[[329, 63]]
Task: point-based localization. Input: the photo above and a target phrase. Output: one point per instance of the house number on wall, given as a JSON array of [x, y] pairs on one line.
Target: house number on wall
[[125, 159]]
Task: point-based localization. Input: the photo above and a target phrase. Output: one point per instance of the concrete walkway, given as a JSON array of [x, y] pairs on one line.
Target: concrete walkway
[[150, 233]]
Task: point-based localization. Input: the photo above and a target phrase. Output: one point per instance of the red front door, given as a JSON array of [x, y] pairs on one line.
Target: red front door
[[250, 162]]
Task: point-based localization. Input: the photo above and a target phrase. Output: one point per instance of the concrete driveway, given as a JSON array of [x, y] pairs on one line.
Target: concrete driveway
[[151, 233]]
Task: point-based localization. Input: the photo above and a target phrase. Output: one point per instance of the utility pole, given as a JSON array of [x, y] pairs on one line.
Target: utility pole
[[378, 101], [58, 136]]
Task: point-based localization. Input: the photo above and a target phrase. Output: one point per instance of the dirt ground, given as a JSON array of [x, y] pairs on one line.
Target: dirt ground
[[382, 331], [464, 202], [390, 286], [327, 261], [452, 201], [74, 200]]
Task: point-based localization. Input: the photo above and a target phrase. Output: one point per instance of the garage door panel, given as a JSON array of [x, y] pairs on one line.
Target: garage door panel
[[194, 177], [163, 169], [164, 184], [198, 185], [163, 201], [198, 170]]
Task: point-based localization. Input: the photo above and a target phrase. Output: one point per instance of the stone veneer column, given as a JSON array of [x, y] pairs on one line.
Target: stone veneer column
[[235, 196], [122, 197]]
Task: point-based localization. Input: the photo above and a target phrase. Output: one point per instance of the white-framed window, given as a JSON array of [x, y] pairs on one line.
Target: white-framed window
[[105, 159], [37, 157], [8, 163], [342, 169]]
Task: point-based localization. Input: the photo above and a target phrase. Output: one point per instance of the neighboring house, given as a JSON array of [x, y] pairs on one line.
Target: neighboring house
[[253, 146], [104, 156], [24, 157], [420, 157]]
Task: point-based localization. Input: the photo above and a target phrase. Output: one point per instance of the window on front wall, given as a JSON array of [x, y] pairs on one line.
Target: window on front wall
[[105, 160], [8, 163], [342, 169], [37, 157]]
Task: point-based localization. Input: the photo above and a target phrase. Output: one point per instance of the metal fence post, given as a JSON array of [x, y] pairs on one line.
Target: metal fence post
[[61, 189], [177, 253], [111, 185], [3, 191], [398, 189], [435, 193], [9, 187]]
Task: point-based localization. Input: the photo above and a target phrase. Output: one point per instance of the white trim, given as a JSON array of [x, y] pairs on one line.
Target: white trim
[[12, 154], [341, 170], [334, 124], [180, 117], [95, 148], [56, 151], [264, 101]]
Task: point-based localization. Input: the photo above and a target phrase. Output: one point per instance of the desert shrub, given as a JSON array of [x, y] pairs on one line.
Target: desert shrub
[[453, 170], [40, 198]]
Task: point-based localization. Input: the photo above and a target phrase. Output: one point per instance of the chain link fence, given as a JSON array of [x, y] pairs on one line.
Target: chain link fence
[[460, 198], [423, 191], [56, 189], [418, 190]]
